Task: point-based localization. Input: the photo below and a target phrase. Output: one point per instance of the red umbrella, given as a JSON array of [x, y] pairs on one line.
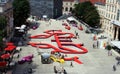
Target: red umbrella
[[9, 43], [5, 56], [3, 63], [10, 48]]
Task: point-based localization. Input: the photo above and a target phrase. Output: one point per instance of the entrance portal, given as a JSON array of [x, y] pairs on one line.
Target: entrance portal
[[115, 33], [119, 34]]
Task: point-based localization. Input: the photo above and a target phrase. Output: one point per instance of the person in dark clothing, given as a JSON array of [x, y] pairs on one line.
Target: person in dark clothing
[[71, 64], [114, 68], [64, 72], [55, 71], [30, 70]]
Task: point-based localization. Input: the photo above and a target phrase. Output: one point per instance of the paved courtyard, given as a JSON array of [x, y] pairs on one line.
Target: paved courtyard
[[96, 61]]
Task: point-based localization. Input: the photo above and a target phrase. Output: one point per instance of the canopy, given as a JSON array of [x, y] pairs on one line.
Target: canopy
[[5, 56], [115, 22], [71, 19], [44, 16], [23, 26], [116, 43], [3, 63], [45, 55], [10, 48]]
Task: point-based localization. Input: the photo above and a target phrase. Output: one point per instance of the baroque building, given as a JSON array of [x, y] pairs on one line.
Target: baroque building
[[68, 6], [110, 18]]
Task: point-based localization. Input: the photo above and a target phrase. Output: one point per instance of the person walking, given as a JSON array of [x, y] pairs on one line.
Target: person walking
[[118, 62], [114, 68], [55, 70], [71, 64], [64, 72]]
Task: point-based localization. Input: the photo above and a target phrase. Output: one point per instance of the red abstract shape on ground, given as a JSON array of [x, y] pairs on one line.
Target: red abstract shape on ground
[[58, 35], [80, 28], [66, 26]]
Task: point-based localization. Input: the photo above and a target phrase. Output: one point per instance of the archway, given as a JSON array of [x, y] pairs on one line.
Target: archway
[[115, 32], [119, 34]]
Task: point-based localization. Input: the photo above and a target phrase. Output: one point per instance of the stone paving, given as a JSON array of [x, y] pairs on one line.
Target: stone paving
[[96, 61]]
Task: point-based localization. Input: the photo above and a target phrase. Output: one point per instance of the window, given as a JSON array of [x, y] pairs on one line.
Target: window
[[66, 3], [70, 8], [66, 9]]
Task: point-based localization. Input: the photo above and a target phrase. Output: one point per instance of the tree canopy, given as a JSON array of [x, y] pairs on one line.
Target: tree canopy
[[3, 22], [21, 11], [88, 13]]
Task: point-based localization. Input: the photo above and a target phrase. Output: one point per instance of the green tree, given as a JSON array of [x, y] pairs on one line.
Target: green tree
[[21, 11], [108, 47], [87, 12], [3, 24]]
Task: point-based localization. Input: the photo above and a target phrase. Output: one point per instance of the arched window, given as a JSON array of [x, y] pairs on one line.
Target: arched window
[[70, 8], [66, 9]]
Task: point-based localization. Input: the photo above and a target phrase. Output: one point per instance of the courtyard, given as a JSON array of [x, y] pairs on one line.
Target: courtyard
[[95, 61]]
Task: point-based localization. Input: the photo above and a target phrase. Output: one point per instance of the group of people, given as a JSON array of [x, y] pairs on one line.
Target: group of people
[[57, 71]]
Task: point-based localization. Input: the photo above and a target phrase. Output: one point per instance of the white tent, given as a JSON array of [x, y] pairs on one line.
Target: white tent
[[71, 19], [44, 16], [22, 26], [116, 43]]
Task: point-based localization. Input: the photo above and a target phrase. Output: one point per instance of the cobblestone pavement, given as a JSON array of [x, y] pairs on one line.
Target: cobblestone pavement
[[96, 61]]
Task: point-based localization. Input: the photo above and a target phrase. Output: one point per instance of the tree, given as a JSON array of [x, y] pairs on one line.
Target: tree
[[21, 11], [3, 24], [87, 12], [108, 47]]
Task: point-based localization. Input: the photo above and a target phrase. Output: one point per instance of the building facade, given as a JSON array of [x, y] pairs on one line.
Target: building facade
[[6, 10], [110, 20], [94, 1], [68, 6], [50, 8]]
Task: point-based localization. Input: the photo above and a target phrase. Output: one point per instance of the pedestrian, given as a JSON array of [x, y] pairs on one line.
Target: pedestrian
[[97, 44], [114, 68], [71, 64], [118, 62], [64, 72], [30, 70], [93, 45], [55, 70], [109, 53]]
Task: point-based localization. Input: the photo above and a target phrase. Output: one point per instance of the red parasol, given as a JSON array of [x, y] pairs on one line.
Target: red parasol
[[3, 63], [5, 56], [10, 48], [9, 43]]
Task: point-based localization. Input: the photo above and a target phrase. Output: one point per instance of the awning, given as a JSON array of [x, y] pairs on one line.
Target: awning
[[3, 63], [115, 22], [116, 43], [23, 26], [45, 55], [5, 56], [44, 16], [71, 19], [10, 48]]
